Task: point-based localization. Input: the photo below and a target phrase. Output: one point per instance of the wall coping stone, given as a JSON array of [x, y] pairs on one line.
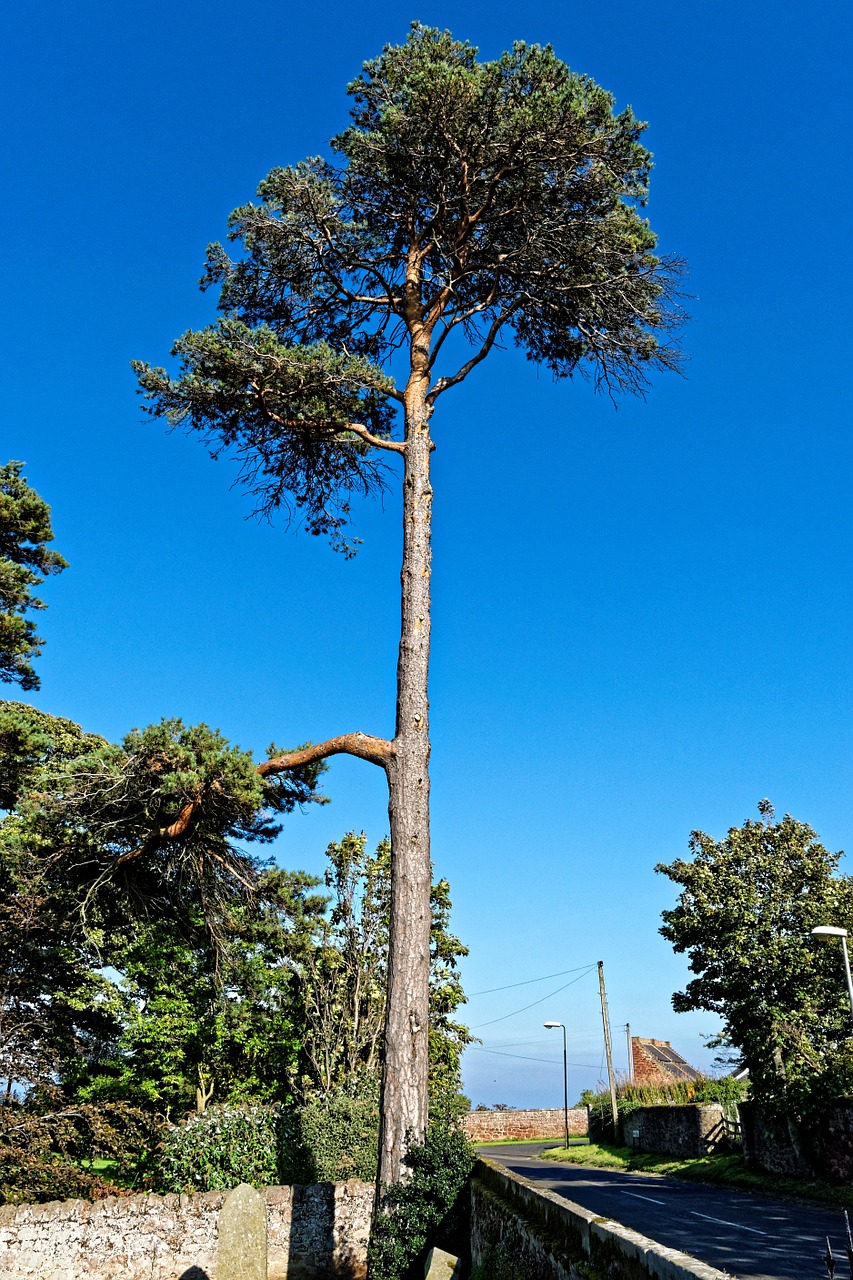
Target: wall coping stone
[[661, 1262]]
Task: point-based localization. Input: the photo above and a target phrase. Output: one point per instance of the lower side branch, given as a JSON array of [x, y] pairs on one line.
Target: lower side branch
[[375, 750]]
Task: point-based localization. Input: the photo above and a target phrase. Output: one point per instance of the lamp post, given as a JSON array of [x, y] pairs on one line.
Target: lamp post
[[832, 931], [565, 1077]]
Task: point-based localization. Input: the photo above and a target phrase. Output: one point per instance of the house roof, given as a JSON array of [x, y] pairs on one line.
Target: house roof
[[670, 1064]]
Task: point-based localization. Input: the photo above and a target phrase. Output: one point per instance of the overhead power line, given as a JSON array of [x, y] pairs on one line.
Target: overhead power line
[[526, 1058], [533, 1005], [527, 981]]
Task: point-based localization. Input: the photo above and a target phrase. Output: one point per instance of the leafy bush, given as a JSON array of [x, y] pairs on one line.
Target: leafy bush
[[51, 1154], [328, 1140], [221, 1148], [629, 1097], [429, 1200]]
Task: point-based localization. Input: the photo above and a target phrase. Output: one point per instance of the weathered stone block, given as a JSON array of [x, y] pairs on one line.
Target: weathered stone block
[[242, 1245]]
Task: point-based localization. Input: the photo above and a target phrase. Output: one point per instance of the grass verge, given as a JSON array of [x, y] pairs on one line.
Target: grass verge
[[722, 1170]]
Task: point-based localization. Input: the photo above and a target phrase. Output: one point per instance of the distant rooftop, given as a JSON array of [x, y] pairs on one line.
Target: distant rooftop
[[656, 1062]]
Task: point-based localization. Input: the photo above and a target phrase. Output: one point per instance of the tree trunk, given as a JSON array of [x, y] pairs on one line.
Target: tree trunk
[[405, 1066]]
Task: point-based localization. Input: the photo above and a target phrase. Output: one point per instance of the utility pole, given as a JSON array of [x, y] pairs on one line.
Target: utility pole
[[607, 1051], [630, 1052]]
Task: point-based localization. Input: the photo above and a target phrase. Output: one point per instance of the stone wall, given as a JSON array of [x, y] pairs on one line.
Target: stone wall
[[822, 1148], [690, 1130], [519, 1230], [497, 1126], [313, 1233]]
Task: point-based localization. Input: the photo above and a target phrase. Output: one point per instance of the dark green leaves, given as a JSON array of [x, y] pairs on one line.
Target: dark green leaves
[[743, 917], [519, 185], [25, 561], [285, 412], [162, 820], [468, 196]]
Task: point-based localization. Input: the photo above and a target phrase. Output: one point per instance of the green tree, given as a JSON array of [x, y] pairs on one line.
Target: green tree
[[25, 561], [344, 978], [101, 842], [203, 1023], [54, 1005], [468, 202], [743, 917]]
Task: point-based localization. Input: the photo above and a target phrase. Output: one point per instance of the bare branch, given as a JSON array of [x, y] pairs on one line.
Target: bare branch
[[377, 751], [461, 374], [376, 442]]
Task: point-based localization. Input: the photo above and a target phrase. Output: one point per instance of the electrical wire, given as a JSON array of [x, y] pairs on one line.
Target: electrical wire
[[550, 996], [527, 981], [526, 1058]]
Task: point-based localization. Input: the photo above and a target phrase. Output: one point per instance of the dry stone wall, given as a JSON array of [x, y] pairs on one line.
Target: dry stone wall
[[547, 1122], [689, 1130], [313, 1233], [823, 1147]]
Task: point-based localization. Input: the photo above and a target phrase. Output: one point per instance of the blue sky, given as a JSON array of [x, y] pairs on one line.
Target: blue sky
[[642, 618]]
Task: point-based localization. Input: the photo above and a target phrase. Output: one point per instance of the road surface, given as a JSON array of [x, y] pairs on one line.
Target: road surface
[[752, 1237]]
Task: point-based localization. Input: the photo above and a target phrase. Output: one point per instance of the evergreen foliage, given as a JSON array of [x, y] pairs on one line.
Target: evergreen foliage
[[467, 203], [133, 981], [513, 191], [428, 1201], [326, 1140], [25, 561], [220, 1149]]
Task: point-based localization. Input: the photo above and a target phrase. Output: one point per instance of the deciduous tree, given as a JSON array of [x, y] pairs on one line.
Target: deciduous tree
[[344, 977], [468, 203], [743, 918]]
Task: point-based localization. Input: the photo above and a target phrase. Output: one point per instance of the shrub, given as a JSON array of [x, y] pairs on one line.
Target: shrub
[[221, 1148], [328, 1140], [49, 1154], [427, 1202], [726, 1090]]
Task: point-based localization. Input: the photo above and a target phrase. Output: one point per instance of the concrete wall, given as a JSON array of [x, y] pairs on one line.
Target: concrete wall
[[519, 1230], [495, 1126], [313, 1233], [693, 1129]]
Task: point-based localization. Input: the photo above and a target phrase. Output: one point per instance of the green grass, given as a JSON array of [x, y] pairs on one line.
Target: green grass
[[721, 1170]]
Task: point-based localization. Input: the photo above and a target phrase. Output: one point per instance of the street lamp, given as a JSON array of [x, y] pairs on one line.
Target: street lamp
[[832, 931], [565, 1077]]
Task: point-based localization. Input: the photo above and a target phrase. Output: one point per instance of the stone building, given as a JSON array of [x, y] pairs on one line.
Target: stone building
[[656, 1062]]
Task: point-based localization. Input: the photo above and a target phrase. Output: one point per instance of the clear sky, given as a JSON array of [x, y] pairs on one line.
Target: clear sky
[[642, 618]]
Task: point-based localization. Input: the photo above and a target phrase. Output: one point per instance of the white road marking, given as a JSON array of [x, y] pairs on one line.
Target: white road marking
[[739, 1225], [639, 1197]]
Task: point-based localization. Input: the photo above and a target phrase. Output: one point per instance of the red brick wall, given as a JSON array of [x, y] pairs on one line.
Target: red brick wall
[[646, 1069], [493, 1126]]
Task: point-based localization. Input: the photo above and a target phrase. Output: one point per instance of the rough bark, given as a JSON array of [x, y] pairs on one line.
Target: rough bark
[[405, 1064]]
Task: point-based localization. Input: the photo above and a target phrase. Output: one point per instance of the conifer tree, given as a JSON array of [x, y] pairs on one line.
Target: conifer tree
[[25, 561], [468, 202]]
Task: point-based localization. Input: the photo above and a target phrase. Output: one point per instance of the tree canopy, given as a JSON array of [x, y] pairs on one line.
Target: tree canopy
[[150, 975], [25, 561], [743, 917], [466, 198]]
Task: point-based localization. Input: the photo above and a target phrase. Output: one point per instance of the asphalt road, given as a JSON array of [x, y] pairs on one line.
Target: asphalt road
[[752, 1237]]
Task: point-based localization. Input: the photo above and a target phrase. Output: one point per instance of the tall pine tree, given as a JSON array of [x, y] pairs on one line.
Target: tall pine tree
[[467, 202]]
